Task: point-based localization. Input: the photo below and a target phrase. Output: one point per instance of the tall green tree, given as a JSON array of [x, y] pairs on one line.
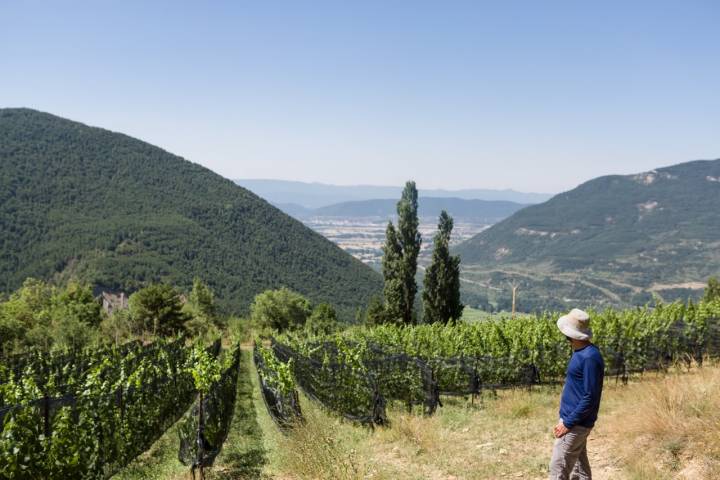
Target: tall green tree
[[44, 316], [712, 292], [201, 301], [441, 292], [410, 241], [392, 276], [158, 307], [400, 254], [375, 314], [280, 310], [76, 314], [203, 319], [323, 320]]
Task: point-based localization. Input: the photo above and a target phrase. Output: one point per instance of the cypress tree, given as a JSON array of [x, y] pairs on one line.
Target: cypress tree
[[392, 267], [402, 246], [441, 293], [410, 240]]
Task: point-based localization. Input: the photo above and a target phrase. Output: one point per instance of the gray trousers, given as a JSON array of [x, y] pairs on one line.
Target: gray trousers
[[569, 457]]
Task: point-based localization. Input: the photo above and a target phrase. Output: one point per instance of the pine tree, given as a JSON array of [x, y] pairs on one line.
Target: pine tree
[[441, 292], [201, 302], [158, 306]]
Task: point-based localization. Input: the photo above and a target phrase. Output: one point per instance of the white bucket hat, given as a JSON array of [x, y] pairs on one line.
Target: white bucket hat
[[575, 324]]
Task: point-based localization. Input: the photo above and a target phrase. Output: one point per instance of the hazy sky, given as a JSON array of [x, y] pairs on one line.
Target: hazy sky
[[535, 96]]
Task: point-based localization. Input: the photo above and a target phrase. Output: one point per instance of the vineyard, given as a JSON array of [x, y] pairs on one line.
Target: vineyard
[[357, 372], [87, 414]]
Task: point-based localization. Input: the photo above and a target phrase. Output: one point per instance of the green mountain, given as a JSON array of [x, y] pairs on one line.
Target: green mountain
[[78, 201], [615, 240], [316, 195]]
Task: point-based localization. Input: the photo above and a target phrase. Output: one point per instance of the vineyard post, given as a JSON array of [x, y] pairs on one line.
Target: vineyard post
[[514, 287], [120, 403], [46, 414], [100, 433], [200, 434]]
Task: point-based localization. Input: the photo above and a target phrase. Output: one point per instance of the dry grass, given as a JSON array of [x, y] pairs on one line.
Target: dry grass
[[322, 449], [655, 428], [669, 427]]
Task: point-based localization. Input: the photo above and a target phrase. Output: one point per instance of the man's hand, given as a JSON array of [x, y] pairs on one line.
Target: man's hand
[[560, 429]]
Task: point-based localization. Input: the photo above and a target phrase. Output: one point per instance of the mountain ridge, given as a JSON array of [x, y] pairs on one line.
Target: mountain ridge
[[316, 194], [486, 211], [660, 227], [429, 207]]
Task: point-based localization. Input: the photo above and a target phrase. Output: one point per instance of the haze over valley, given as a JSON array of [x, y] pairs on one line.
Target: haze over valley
[[358, 226]]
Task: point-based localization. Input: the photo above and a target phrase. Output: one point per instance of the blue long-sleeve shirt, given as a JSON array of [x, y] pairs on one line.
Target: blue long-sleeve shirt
[[580, 400]]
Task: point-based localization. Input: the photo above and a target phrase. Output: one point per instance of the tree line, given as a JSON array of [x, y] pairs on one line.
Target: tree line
[[43, 316]]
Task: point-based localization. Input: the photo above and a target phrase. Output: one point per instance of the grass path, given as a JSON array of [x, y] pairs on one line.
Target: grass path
[[243, 454]]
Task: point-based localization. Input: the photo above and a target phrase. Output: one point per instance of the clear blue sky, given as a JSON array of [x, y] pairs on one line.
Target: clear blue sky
[[536, 95]]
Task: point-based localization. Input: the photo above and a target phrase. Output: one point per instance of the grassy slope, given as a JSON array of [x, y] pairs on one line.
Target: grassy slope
[[657, 427]]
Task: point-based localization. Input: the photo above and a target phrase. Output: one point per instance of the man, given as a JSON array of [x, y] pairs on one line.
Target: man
[[580, 400]]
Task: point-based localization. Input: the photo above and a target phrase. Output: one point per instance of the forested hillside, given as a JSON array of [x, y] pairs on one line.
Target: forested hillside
[[77, 201], [613, 240]]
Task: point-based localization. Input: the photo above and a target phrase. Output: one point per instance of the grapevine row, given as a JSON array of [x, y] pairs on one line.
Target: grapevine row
[[277, 386], [355, 372], [205, 427], [101, 420]]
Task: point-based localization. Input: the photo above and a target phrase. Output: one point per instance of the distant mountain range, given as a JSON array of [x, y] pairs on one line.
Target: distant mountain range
[[476, 211], [78, 201], [615, 240], [315, 195]]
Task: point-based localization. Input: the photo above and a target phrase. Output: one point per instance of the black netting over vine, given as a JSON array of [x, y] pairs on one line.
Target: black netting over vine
[[356, 379], [46, 362], [403, 378], [679, 344], [282, 402], [339, 386], [205, 427], [101, 425], [63, 373]]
